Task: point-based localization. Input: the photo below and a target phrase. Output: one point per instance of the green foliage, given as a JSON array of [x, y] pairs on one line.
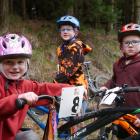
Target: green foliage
[[88, 11], [105, 52], [108, 14], [105, 47], [53, 9], [94, 12]]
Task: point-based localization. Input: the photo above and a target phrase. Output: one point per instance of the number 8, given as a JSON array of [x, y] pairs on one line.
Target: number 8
[[75, 104]]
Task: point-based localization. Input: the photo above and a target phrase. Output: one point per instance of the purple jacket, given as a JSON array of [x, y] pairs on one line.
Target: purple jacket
[[127, 74]]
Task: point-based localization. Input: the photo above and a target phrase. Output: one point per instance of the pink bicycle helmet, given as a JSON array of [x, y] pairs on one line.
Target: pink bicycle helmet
[[128, 29], [14, 45]]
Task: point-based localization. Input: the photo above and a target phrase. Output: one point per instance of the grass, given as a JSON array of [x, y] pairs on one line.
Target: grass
[[44, 38]]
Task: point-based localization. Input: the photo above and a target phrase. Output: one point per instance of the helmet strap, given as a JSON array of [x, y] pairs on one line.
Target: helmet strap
[[70, 40], [131, 57]]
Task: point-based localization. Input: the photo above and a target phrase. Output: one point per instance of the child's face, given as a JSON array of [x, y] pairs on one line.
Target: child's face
[[67, 32], [14, 69], [130, 45]]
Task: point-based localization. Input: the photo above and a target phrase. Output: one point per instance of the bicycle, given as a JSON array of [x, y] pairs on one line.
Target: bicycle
[[34, 114], [94, 82], [104, 116], [93, 86], [122, 127]]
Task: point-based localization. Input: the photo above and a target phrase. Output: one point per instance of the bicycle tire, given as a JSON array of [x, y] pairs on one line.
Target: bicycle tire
[[135, 137], [100, 80]]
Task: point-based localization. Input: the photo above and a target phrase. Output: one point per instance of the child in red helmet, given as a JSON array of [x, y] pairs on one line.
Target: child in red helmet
[[15, 51], [126, 70]]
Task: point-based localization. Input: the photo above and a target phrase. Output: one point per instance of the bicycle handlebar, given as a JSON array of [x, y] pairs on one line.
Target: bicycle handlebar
[[87, 62], [122, 89], [20, 103], [129, 89]]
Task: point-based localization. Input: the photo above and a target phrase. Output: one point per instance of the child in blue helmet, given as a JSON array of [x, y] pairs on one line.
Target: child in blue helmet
[[71, 54]]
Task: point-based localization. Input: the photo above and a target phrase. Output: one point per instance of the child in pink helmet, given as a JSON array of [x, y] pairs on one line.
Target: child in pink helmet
[[15, 51]]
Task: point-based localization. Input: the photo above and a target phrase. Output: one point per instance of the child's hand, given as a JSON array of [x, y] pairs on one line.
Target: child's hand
[[30, 97], [103, 88], [137, 123]]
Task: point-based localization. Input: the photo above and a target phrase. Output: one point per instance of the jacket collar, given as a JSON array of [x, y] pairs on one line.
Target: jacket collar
[[123, 59]]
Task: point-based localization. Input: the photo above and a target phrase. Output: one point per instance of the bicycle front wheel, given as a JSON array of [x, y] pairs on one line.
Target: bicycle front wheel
[[100, 80]]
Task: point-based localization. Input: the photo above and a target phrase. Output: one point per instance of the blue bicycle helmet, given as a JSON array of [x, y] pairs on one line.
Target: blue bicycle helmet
[[68, 20]]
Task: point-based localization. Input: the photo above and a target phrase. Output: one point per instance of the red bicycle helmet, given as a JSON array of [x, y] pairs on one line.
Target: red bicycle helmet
[[128, 29]]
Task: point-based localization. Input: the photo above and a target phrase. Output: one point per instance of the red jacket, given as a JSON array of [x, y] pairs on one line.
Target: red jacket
[[127, 74], [11, 118]]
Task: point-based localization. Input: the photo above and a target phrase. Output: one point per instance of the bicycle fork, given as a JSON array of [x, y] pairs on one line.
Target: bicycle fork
[[50, 132], [125, 125]]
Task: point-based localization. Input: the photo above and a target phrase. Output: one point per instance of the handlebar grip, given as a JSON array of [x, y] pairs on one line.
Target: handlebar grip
[[20, 103], [99, 93], [132, 89]]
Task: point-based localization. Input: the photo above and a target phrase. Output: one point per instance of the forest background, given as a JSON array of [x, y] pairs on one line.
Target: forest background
[[99, 20]]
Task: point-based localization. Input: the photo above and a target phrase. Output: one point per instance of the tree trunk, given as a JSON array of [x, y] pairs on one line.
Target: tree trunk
[[11, 6], [137, 11], [24, 14], [4, 12], [108, 25]]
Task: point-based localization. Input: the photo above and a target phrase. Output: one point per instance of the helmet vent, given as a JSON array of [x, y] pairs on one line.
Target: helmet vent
[[13, 37], [129, 27], [4, 45], [23, 43]]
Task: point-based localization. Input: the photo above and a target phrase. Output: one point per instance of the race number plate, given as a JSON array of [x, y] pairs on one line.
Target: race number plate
[[109, 96], [71, 101]]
